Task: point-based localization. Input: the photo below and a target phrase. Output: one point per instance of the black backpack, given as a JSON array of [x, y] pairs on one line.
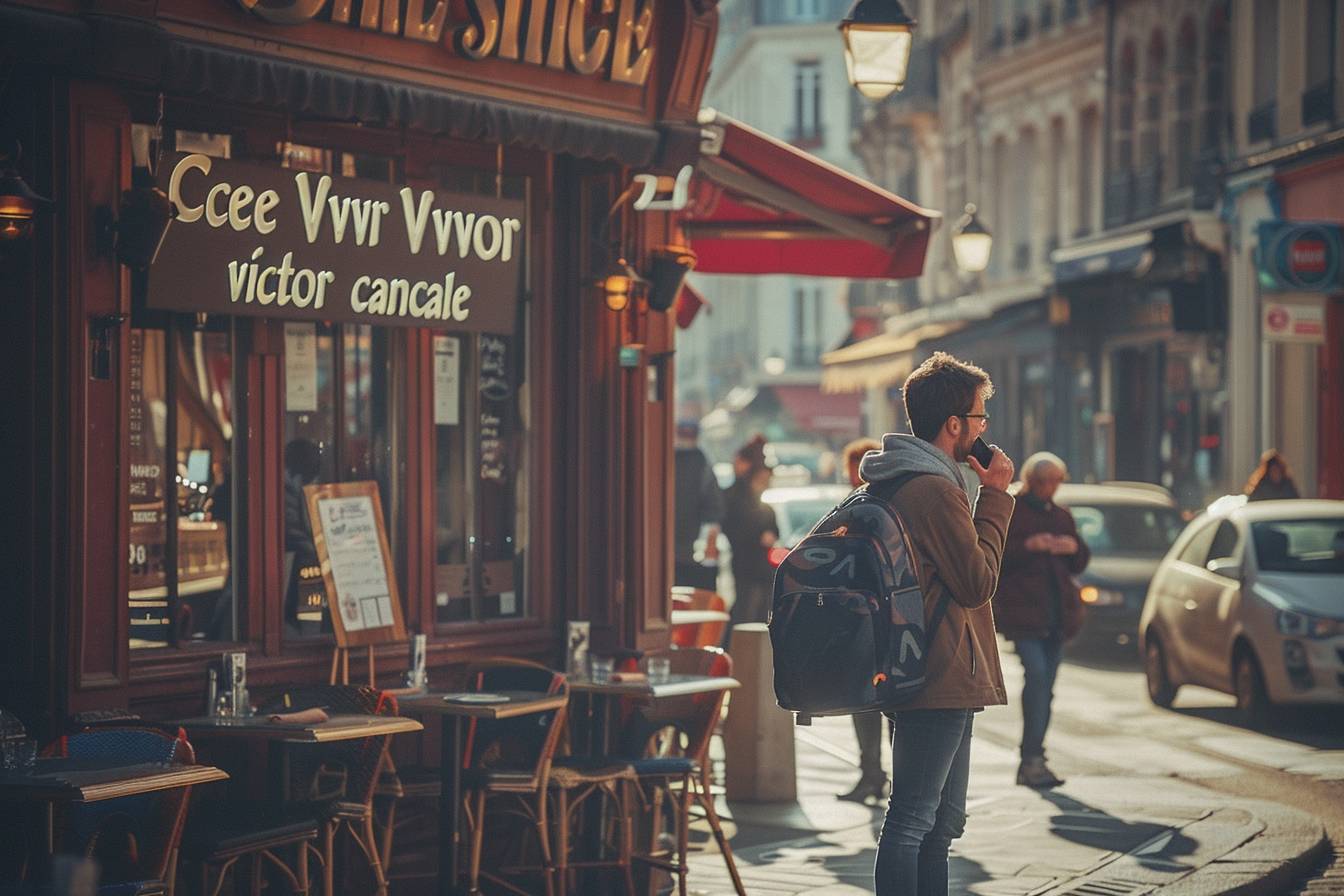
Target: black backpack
[[847, 620]]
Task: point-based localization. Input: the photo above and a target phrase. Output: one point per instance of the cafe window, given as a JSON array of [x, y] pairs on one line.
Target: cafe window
[[183, 414], [480, 393], [338, 416], [183, 585]]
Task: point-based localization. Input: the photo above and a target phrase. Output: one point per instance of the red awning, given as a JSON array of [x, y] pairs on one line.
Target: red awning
[[761, 206], [812, 411]]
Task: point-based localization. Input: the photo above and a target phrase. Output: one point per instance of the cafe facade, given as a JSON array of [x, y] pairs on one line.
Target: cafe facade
[[391, 220]]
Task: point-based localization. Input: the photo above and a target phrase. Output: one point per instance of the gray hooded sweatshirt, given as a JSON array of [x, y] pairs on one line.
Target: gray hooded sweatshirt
[[903, 453]]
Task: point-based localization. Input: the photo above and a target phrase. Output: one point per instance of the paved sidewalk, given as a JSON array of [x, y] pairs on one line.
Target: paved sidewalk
[[1100, 834]]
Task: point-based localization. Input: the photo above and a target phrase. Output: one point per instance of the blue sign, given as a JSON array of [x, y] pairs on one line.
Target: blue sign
[[1297, 256]]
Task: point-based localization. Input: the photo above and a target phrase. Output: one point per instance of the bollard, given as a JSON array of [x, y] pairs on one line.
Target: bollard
[[759, 761]]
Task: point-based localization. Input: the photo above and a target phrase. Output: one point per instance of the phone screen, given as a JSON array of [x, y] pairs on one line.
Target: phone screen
[[982, 452]]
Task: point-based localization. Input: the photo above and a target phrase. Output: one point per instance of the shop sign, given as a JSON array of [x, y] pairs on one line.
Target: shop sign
[[295, 245], [1300, 257], [610, 37], [1281, 322]]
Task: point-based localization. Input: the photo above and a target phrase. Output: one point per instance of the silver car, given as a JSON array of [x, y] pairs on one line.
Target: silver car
[[1250, 601]]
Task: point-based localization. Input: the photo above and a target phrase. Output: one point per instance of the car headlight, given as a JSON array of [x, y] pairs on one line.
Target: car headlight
[[1101, 597], [1302, 625]]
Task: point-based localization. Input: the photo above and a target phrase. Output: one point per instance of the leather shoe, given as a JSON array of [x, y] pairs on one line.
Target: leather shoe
[[1033, 772], [869, 787]]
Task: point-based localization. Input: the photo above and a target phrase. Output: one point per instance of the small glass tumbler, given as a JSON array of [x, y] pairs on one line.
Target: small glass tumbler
[[24, 755], [600, 669], [659, 669]]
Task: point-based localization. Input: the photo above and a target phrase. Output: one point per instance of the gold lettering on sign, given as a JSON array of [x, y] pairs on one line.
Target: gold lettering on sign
[[636, 30], [564, 35], [587, 58]]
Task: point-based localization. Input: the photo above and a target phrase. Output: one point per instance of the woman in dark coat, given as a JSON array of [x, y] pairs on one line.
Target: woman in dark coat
[[752, 530], [1037, 605], [1271, 480]]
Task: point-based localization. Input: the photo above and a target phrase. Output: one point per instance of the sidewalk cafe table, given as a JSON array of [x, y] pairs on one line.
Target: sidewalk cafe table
[[280, 736], [453, 713], [64, 780]]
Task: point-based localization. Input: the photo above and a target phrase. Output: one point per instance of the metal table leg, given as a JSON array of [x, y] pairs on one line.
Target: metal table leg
[[450, 801]]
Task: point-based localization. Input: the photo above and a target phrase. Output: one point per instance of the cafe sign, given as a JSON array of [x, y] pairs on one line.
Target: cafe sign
[[610, 38], [299, 245], [1300, 257]]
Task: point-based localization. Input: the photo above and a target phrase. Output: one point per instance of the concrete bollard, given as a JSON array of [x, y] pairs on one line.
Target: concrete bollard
[[759, 761]]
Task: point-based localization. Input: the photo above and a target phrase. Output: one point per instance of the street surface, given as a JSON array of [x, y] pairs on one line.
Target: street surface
[[1152, 796]]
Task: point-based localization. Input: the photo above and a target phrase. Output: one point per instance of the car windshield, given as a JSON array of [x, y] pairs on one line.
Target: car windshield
[[1300, 545], [1127, 528], [796, 518]]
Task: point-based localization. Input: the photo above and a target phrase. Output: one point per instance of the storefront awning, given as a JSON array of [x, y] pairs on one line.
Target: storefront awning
[[811, 411], [1127, 254], [762, 206], [883, 360]]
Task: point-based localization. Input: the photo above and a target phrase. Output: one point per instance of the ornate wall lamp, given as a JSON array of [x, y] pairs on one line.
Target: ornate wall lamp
[[670, 266], [19, 203]]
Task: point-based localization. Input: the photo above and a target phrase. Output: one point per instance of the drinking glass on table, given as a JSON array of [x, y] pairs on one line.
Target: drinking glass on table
[[600, 668], [659, 669]]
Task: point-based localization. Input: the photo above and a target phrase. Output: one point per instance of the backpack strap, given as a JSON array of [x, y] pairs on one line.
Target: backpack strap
[[886, 489]]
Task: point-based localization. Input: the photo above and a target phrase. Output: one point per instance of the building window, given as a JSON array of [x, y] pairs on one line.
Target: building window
[[1265, 81], [1213, 114], [1088, 143], [807, 103], [1023, 214], [1148, 183], [806, 336], [1318, 97], [1183, 125], [1119, 200], [805, 10]]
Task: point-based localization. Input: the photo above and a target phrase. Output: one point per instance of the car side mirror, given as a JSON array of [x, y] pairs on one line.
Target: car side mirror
[[1227, 567]]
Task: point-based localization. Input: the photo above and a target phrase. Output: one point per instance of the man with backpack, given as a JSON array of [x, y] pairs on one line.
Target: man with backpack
[[957, 555]]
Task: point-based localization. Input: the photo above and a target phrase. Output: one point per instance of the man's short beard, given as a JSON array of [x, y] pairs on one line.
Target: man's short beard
[[962, 450]]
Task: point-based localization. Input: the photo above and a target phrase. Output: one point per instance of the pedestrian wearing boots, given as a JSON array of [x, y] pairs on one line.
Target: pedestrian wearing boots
[[1037, 606], [867, 725], [957, 553]]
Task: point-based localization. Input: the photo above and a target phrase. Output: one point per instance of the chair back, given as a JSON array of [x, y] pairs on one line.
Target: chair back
[[693, 715], [133, 838], [704, 634], [525, 743], [347, 769]]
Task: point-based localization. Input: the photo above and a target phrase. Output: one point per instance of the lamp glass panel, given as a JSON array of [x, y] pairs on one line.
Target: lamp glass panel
[[877, 58], [16, 207], [972, 251]]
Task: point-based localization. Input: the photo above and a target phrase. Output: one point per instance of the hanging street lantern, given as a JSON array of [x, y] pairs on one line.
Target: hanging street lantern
[[971, 242], [878, 36]]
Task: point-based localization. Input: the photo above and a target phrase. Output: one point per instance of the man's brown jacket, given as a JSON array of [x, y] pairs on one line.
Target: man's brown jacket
[[959, 555]]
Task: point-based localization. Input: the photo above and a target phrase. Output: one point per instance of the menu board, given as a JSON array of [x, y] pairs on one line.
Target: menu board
[[496, 393], [356, 562]]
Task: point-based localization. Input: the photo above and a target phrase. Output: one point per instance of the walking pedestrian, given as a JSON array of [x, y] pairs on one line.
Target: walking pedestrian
[[752, 530], [699, 504], [1270, 480], [957, 553], [867, 725], [1037, 606]]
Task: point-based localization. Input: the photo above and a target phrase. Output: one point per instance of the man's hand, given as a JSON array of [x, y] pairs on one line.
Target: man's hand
[[1000, 472], [1065, 545], [1040, 543], [768, 539]]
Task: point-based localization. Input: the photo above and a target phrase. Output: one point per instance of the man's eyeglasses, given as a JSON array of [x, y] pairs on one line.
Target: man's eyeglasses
[[984, 417]]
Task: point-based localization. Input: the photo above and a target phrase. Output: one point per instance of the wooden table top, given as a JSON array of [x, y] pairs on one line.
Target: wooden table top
[[337, 727], [677, 685], [516, 703], [80, 781]]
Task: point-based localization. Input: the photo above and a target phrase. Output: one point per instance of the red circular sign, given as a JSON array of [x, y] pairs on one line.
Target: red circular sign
[[1277, 318]]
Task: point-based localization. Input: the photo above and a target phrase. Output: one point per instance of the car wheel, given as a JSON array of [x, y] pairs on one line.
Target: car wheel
[[1160, 688], [1249, 686]]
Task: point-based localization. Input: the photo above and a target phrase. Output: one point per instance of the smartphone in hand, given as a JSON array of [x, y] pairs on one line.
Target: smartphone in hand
[[982, 452]]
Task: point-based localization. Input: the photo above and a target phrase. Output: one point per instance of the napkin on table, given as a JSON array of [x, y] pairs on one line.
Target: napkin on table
[[302, 717]]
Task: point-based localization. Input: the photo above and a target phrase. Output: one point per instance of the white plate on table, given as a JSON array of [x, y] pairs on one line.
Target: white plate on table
[[475, 698]]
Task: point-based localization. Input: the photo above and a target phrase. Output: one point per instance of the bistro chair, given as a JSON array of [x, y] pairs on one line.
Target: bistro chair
[[702, 634], [134, 838], [668, 742], [220, 835], [336, 781]]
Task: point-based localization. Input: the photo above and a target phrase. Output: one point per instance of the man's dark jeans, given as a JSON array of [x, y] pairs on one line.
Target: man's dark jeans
[[931, 767], [1040, 663]]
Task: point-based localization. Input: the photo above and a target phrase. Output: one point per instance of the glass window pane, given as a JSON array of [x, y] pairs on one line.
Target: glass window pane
[[148, 409]]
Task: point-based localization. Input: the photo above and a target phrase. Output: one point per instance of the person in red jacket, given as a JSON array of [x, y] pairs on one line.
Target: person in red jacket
[[1037, 605]]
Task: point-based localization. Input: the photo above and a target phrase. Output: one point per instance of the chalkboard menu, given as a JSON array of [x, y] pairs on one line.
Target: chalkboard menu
[[356, 562], [496, 390]]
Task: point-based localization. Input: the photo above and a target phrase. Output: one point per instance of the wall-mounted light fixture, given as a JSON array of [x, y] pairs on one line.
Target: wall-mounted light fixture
[[671, 264], [971, 242], [135, 238], [618, 284], [19, 203], [878, 37]]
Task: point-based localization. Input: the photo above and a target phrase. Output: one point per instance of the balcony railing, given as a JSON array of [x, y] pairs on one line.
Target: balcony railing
[[1318, 103], [1260, 123]]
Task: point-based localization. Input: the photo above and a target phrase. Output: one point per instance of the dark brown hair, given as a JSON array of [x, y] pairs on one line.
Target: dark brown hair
[[1269, 459], [939, 388], [855, 450]]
